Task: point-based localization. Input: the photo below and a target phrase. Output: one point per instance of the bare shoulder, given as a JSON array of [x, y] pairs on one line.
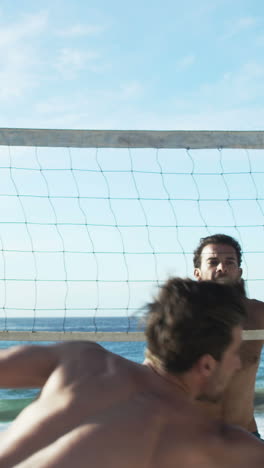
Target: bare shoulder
[[242, 440], [212, 445], [255, 310], [72, 350], [92, 358], [235, 447], [78, 346], [256, 304]]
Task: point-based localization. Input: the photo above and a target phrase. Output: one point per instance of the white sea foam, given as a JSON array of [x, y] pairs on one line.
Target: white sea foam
[[4, 426], [260, 423]]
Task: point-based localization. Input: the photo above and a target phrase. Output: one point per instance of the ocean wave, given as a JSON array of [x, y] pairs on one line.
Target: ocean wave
[[9, 409], [259, 400]]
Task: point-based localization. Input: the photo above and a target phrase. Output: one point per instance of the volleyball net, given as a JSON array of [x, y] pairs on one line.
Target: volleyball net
[[93, 222]]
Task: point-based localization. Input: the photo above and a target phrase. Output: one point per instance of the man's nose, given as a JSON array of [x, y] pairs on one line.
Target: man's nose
[[221, 267]]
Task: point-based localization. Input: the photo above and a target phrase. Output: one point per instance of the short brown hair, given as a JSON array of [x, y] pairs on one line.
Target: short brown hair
[[192, 318], [216, 239]]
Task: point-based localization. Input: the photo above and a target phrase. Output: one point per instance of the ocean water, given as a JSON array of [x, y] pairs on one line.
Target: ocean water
[[12, 401]]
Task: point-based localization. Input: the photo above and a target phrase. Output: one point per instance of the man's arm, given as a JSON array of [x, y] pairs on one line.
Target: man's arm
[[256, 315], [243, 446], [27, 366], [260, 308]]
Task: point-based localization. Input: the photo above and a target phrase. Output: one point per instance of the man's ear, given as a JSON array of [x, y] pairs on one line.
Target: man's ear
[[197, 274], [206, 365], [240, 272]]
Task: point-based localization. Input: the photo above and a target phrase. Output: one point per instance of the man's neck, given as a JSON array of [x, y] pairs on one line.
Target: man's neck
[[181, 382]]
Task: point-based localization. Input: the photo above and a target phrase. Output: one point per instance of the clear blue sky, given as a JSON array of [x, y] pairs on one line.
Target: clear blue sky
[[132, 65]]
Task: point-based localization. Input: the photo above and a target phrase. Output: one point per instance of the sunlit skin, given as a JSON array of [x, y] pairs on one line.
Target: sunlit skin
[[219, 263], [229, 364], [98, 409], [211, 376]]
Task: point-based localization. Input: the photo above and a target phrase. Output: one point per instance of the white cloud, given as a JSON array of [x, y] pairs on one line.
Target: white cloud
[[260, 40], [239, 25], [104, 108], [131, 90], [78, 30], [229, 103], [15, 77], [71, 61], [102, 99], [31, 25], [111, 116], [18, 55], [185, 62], [235, 88]]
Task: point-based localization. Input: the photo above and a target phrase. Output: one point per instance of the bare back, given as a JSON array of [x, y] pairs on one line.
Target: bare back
[[98, 409]]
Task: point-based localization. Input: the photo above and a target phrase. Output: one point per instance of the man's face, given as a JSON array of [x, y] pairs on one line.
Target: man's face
[[225, 368], [219, 263]]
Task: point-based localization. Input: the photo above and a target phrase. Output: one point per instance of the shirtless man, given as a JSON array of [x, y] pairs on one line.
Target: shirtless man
[[97, 409], [218, 258]]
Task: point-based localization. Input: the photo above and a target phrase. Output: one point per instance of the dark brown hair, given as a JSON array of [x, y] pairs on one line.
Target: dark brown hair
[[192, 318], [216, 239]]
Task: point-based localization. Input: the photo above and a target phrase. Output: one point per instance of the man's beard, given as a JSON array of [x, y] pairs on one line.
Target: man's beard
[[224, 279]]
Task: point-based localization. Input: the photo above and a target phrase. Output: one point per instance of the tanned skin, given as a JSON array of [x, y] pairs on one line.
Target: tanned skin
[[97, 409], [219, 263]]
